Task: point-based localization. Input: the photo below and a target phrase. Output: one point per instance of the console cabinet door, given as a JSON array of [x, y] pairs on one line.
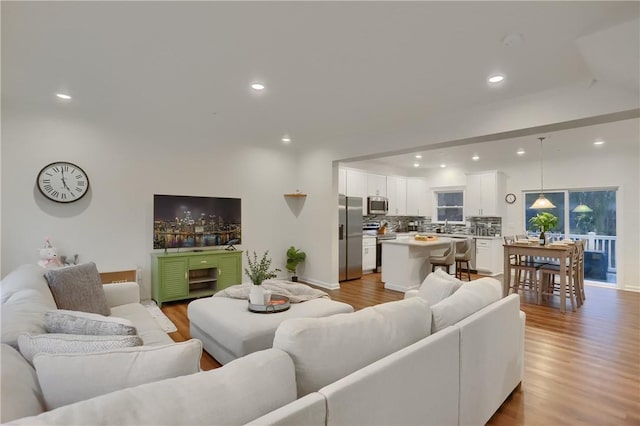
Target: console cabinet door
[[174, 273], [229, 271]]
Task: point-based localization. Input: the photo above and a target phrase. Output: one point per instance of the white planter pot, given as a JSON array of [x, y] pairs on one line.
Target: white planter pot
[[256, 295]]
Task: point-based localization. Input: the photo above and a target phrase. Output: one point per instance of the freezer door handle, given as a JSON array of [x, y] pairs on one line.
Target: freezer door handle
[[341, 232]]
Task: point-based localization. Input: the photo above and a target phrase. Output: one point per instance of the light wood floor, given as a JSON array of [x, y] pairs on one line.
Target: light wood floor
[[581, 368]]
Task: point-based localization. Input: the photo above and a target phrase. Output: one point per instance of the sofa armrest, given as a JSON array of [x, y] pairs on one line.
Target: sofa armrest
[[310, 410], [122, 293], [411, 293]]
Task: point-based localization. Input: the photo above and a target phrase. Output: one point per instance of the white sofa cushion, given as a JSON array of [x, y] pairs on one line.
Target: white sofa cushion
[[68, 378], [77, 322], [471, 297], [416, 385], [19, 390], [25, 299], [326, 349], [72, 343], [78, 288], [148, 328], [237, 393], [437, 286]]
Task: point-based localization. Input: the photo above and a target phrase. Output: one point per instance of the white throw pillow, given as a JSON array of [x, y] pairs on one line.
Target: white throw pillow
[[437, 286], [68, 378], [329, 348], [69, 343], [19, 389], [471, 297], [77, 322]]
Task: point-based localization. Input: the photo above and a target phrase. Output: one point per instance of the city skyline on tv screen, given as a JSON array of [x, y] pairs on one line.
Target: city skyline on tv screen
[[192, 221]]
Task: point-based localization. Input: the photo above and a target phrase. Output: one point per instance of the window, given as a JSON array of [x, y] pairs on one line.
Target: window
[[585, 215], [450, 205]]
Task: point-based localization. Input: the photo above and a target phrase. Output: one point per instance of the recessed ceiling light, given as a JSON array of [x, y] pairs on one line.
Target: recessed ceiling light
[[496, 78], [520, 151], [418, 156], [599, 142], [475, 157], [257, 86], [63, 96], [416, 164], [286, 139], [443, 165]]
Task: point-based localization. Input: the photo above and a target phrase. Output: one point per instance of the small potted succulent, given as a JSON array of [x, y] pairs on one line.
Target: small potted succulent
[[258, 271], [294, 257]]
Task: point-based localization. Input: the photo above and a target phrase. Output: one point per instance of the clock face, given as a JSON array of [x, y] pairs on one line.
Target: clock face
[[63, 182], [510, 198]]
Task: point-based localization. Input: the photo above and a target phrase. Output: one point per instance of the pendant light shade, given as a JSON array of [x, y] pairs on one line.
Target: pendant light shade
[[542, 202], [582, 208]]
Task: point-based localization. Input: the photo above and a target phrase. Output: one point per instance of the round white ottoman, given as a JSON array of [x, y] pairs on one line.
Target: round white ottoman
[[228, 330]]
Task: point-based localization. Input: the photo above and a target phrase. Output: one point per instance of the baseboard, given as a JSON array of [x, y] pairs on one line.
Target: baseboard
[[322, 284]]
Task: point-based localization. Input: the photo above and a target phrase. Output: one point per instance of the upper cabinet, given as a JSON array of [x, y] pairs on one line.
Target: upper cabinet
[[356, 184], [417, 197], [376, 185], [483, 195], [397, 195]]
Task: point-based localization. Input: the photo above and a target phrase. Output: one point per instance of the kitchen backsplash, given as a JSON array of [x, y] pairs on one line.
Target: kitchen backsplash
[[474, 225]]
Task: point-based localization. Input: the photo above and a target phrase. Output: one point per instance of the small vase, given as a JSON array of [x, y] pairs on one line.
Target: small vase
[[256, 295]]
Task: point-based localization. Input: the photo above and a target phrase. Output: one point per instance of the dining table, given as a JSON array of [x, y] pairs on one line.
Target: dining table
[[533, 249]]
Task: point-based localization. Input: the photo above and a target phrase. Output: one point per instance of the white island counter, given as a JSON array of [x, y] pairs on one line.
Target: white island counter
[[405, 261]]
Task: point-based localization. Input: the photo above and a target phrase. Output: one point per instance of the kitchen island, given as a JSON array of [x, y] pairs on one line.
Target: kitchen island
[[405, 261]]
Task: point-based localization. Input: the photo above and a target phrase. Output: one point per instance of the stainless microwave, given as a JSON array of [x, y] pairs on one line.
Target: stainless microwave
[[377, 205]]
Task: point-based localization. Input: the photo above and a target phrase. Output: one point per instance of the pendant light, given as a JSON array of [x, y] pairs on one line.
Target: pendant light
[[542, 202]]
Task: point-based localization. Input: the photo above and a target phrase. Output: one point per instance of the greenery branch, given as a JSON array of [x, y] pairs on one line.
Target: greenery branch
[[258, 270], [544, 221]]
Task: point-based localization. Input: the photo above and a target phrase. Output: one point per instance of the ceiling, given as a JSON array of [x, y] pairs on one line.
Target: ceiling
[[618, 137], [334, 71]]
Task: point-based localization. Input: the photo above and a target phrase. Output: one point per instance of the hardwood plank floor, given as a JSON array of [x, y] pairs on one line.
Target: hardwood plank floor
[[581, 368]]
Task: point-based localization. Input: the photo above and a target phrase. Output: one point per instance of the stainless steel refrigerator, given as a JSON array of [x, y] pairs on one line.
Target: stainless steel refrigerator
[[350, 237]]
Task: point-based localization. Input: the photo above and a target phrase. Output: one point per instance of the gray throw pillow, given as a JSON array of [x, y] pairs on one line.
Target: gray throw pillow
[[76, 322], [72, 343], [78, 288]]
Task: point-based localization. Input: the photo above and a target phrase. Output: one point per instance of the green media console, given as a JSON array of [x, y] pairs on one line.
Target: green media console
[[188, 275]]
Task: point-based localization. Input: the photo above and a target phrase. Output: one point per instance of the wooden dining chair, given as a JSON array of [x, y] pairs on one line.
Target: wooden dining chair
[[525, 273], [549, 286]]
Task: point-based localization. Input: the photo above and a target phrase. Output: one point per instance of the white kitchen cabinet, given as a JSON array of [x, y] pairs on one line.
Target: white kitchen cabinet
[[342, 181], [489, 256], [397, 195], [357, 185], [368, 254], [483, 194], [376, 185], [417, 197]]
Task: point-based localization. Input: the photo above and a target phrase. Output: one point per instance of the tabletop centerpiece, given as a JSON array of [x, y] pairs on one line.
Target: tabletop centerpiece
[[258, 271]]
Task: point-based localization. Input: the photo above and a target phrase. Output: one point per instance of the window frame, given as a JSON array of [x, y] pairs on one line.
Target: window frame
[[436, 206]]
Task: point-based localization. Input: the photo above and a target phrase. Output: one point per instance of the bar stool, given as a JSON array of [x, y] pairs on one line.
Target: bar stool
[[463, 255], [445, 260]]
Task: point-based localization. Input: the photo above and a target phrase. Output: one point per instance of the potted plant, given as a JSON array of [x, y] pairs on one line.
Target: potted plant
[[294, 257], [544, 221], [258, 271]]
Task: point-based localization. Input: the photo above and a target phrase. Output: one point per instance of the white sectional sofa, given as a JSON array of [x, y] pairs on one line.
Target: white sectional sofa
[[397, 363]]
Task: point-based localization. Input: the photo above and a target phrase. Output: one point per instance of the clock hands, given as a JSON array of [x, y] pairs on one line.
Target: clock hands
[[64, 184]]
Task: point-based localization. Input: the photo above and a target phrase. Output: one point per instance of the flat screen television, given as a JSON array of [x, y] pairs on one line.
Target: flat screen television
[[186, 221]]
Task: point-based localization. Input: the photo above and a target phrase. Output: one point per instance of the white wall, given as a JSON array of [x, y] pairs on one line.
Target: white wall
[[128, 162], [112, 225]]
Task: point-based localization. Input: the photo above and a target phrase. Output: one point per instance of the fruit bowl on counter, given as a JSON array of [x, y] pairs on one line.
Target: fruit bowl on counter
[[419, 237]]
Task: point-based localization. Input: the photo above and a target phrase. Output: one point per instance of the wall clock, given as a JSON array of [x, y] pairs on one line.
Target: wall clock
[[63, 182], [510, 198]]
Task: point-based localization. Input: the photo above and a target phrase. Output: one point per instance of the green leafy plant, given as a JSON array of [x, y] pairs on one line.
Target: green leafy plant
[[544, 221], [294, 257], [258, 270]]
